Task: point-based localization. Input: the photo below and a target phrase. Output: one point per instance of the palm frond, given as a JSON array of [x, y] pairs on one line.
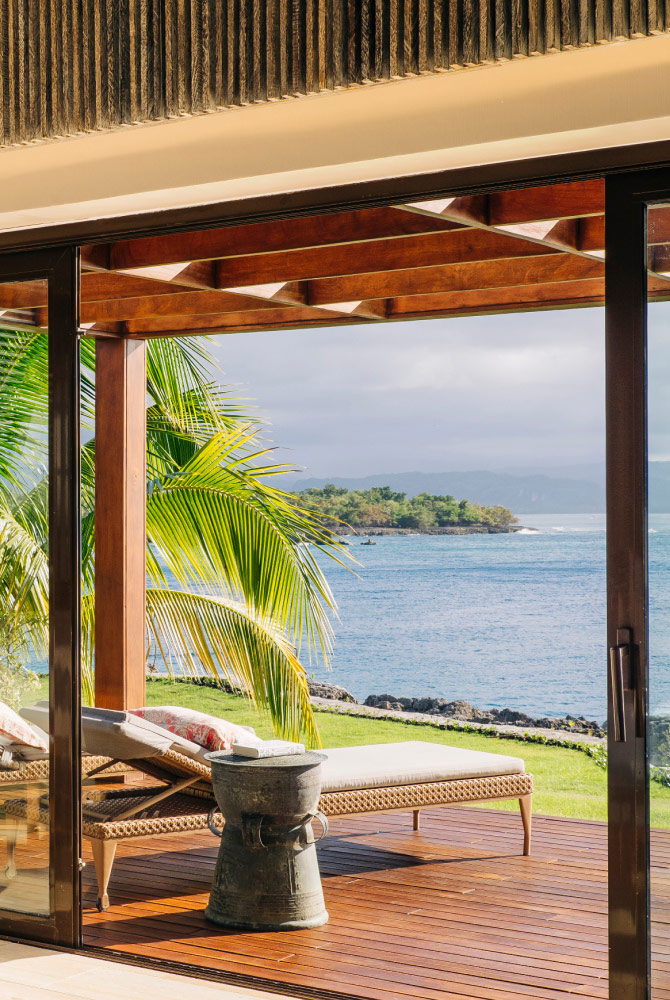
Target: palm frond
[[196, 631], [88, 648], [24, 579], [217, 525]]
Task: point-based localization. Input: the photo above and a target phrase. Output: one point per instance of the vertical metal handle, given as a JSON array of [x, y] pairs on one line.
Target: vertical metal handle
[[619, 667]]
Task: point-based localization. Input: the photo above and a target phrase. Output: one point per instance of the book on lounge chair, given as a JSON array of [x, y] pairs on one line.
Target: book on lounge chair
[[268, 748]]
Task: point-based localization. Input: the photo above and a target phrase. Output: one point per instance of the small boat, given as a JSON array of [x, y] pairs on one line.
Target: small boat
[[369, 542]]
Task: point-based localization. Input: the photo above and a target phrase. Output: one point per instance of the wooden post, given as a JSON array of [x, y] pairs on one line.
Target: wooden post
[[120, 523]]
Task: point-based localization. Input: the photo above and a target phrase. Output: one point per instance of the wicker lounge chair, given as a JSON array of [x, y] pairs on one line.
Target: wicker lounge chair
[[383, 778], [25, 771]]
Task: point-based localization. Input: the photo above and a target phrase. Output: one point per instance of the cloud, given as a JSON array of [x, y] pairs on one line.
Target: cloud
[[481, 392]]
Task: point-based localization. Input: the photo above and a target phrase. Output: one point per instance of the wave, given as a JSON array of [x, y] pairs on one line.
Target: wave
[[528, 531]]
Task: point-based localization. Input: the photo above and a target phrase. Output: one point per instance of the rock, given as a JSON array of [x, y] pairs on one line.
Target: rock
[[318, 689], [466, 712], [389, 702]]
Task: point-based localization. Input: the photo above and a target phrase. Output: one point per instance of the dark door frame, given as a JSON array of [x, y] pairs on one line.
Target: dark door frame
[[627, 198], [61, 270]]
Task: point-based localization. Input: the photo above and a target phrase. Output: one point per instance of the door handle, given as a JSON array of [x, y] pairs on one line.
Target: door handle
[[619, 668]]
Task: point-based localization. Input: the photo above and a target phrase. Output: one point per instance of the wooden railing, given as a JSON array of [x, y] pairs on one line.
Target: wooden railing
[[68, 66]]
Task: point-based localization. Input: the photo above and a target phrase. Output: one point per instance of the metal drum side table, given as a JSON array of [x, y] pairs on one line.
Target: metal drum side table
[[267, 873]]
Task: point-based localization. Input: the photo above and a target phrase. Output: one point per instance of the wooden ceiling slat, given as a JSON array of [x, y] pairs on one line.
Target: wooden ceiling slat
[[23, 294], [180, 304], [535, 248], [192, 274], [381, 255], [264, 237], [227, 322], [99, 286], [552, 202], [454, 277], [577, 292], [555, 201]]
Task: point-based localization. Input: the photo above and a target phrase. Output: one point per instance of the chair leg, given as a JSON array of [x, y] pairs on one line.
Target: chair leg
[[417, 819], [525, 804], [103, 859]]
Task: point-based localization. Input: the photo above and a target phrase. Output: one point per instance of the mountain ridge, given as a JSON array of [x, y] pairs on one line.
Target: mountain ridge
[[523, 493]]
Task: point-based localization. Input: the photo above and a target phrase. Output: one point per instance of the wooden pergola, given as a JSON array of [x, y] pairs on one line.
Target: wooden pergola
[[512, 251], [535, 248]]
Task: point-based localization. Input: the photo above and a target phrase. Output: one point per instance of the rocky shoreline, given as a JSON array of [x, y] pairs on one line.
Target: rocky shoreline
[[462, 711], [454, 529], [447, 714]]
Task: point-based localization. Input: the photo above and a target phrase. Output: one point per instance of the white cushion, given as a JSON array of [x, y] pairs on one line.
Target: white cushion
[[119, 734], [13, 727], [384, 764]]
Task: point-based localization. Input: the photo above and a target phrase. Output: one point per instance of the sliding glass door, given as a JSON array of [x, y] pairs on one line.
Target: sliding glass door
[[39, 607], [638, 413]]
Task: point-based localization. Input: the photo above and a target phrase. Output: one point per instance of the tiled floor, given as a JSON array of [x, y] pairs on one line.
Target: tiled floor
[[28, 973]]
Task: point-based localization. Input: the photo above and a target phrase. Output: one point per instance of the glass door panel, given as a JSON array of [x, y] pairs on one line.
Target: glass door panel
[[658, 726], [39, 604], [25, 885]]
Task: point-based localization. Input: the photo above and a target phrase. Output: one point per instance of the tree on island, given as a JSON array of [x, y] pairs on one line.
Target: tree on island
[[381, 507]]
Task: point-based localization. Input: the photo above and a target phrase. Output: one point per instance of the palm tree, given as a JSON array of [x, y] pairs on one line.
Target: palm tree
[[235, 587]]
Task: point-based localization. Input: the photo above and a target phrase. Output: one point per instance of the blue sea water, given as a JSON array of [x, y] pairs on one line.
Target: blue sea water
[[512, 620]]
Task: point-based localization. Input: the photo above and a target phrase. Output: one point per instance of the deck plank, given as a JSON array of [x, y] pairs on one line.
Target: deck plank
[[447, 912]]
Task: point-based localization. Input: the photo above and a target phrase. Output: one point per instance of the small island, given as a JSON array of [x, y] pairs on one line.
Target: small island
[[381, 511]]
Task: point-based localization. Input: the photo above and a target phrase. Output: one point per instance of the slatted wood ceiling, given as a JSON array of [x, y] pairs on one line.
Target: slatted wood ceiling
[[68, 66], [538, 248]]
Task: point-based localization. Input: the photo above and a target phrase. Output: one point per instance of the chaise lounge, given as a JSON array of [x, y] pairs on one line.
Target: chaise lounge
[[367, 779]]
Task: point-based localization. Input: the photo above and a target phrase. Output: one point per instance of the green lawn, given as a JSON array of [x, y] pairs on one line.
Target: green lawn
[[567, 783]]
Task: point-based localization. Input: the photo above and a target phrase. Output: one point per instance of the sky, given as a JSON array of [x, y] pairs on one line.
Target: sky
[[502, 393]]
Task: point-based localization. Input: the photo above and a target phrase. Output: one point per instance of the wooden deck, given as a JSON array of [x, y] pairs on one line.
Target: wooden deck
[[451, 911]]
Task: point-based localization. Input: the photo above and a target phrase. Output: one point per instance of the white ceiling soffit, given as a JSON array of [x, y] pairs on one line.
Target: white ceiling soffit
[[608, 95]]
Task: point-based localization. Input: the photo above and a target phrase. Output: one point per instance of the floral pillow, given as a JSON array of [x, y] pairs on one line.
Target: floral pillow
[[19, 731], [205, 730]]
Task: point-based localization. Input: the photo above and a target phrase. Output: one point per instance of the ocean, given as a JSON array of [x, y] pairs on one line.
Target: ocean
[[502, 621], [513, 620]]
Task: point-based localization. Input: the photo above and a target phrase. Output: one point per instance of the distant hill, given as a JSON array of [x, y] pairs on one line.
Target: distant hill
[[522, 492], [527, 494]]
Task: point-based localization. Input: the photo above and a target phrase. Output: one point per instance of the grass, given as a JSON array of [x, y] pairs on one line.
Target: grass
[[567, 783]]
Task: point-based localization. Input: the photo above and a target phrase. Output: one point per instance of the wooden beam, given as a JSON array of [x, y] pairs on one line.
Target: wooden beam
[[100, 286], [95, 257], [264, 237], [23, 295], [179, 304], [120, 524], [262, 319], [551, 202], [191, 274], [454, 277], [545, 296], [380, 255]]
